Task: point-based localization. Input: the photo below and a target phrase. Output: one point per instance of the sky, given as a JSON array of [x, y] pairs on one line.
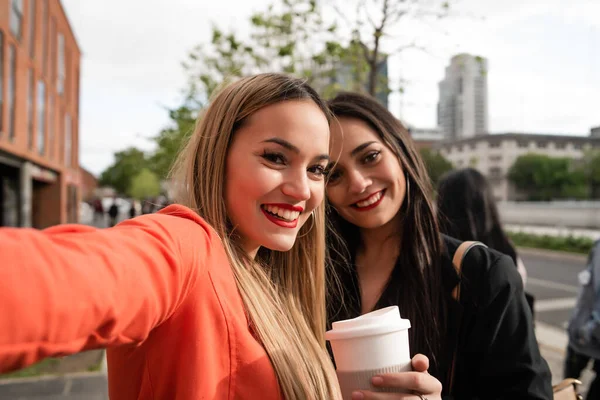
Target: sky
[[543, 64]]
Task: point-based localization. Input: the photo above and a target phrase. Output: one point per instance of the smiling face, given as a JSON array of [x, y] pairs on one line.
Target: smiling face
[[275, 173], [367, 185]]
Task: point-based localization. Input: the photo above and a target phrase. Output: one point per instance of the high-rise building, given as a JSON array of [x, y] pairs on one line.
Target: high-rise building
[[39, 115], [463, 103]]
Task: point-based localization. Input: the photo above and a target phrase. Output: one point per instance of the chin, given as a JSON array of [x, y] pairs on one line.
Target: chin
[[371, 223], [280, 244]]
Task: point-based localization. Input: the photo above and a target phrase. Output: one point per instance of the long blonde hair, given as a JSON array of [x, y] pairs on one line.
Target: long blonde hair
[[283, 292]]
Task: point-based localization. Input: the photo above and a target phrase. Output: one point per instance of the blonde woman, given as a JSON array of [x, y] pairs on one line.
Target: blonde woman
[[219, 297]]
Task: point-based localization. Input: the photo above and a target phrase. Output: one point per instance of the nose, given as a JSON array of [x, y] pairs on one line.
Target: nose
[[297, 186], [358, 182]]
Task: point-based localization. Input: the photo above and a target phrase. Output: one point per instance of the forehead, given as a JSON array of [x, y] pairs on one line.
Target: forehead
[[300, 122], [349, 133]]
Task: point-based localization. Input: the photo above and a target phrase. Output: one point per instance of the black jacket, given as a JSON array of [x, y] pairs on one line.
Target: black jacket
[[498, 356]]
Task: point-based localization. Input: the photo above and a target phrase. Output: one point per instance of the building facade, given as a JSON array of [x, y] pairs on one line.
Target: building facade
[[39, 115], [425, 137], [463, 103], [494, 155]]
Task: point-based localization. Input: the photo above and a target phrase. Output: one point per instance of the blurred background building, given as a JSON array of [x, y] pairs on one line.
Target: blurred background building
[[463, 102], [494, 155], [40, 178]]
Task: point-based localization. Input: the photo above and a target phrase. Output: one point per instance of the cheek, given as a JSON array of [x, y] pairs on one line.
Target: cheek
[[335, 196], [317, 194]]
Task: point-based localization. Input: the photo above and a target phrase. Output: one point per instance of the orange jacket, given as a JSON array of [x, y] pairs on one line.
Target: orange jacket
[[157, 291]]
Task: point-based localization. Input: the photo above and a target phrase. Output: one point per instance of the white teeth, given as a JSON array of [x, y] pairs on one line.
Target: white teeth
[[282, 213], [371, 200]]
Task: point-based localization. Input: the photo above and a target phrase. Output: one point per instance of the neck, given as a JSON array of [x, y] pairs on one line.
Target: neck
[[381, 246]]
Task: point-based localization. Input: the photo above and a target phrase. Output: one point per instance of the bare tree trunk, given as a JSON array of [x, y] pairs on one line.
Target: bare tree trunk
[[373, 58]]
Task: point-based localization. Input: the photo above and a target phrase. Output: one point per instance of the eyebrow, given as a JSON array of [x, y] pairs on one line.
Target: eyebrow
[[287, 145], [361, 148]]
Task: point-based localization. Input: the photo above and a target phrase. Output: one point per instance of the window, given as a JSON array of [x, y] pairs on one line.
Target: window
[[495, 172], [522, 143], [542, 145], [41, 111], [496, 158], [16, 18], [45, 35], [68, 140], [60, 73], [32, 28], [30, 108], [51, 122], [1, 80], [494, 145], [560, 145], [12, 90], [578, 146], [473, 146], [52, 48]]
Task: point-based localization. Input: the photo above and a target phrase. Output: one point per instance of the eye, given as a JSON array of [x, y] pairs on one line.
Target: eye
[[274, 158], [333, 176], [317, 170], [371, 157]]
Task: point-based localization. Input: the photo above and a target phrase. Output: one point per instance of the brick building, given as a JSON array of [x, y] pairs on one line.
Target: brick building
[[39, 115]]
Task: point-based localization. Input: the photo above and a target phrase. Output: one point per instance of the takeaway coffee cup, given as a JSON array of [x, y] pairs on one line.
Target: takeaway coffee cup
[[368, 345]]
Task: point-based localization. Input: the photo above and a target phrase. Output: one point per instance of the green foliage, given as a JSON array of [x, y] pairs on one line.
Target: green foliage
[[40, 368], [144, 185], [436, 164], [560, 243], [591, 168], [128, 163], [291, 37], [544, 178], [171, 139]]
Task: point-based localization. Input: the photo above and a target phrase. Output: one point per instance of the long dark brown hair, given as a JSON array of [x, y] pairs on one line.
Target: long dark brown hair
[[415, 283], [467, 210]]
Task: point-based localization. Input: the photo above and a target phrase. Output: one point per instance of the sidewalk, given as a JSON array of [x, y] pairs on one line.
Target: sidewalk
[[553, 344]]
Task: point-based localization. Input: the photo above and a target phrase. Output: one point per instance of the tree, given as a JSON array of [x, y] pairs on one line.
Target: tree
[[128, 163], [436, 164], [591, 166], [171, 139], [371, 27], [544, 178], [144, 185], [290, 36]]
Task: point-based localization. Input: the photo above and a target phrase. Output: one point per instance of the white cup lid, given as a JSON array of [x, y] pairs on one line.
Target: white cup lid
[[378, 322]]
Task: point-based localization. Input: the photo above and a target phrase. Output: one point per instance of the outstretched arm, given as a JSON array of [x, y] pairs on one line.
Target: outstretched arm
[[72, 288]]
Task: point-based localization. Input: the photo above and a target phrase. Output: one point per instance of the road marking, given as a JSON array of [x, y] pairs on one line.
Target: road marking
[[555, 304], [551, 336], [552, 285], [67, 388]]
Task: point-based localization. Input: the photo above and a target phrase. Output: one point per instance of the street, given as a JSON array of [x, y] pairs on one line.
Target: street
[[551, 279], [553, 282]]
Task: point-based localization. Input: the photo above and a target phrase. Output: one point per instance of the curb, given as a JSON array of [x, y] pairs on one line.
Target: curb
[[89, 385], [553, 254], [49, 377]]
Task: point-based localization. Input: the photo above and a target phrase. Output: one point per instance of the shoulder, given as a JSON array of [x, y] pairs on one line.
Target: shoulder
[[179, 226], [485, 270]]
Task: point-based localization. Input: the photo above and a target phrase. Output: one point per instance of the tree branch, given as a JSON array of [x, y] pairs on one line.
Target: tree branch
[[412, 45]]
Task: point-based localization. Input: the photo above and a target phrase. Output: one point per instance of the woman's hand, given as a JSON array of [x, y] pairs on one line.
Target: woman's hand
[[418, 382]]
